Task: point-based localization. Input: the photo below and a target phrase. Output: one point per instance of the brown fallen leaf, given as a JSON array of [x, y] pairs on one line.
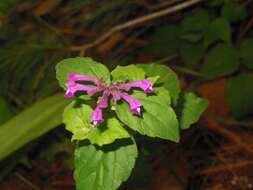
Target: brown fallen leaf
[[215, 93]]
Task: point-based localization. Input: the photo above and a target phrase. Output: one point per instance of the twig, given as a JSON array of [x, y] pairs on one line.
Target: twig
[[188, 71], [226, 167], [134, 22], [27, 181], [230, 121], [232, 136], [159, 6]]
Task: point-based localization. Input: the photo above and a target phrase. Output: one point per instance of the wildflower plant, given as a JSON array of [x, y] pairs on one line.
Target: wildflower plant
[[108, 109]]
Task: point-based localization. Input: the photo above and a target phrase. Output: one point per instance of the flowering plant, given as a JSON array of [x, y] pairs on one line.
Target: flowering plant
[[108, 109]]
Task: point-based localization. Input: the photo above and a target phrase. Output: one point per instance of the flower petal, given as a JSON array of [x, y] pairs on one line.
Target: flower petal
[[145, 85], [97, 116], [80, 77], [103, 101], [73, 87], [135, 104]]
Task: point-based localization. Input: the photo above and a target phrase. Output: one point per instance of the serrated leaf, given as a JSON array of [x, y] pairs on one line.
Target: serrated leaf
[[157, 120], [104, 168], [127, 73], [77, 118], [246, 53], [239, 93], [221, 60], [189, 109], [168, 78], [164, 41], [191, 53], [233, 12], [81, 65], [219, 29]]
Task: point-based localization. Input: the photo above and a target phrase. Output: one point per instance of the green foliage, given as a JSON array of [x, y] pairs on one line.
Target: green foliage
[[221, 60], [167, 78], [246, 53], [5, 111], [218, 30], [239, 93], [127, 73], [102, 163], [193, 27], [81, 65], [189, 109], [157, 120], [104, 168], [191, 53], [6, 6], [165, 41], [233, 11], [30, 124], [77, 119]]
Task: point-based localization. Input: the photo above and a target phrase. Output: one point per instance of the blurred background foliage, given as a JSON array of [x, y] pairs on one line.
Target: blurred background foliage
[[209, 45]]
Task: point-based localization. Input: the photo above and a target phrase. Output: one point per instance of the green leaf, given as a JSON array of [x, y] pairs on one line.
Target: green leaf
[[164, 41], [157, 120], [31, 123], [239, 93], [153, 79], [127, 73], [191, 53], [6, 6], [104, 168], [219, 29], [168, 78], [192, 27], [246, 53], [77, 118], [5, 111], [190, 107], [233, 12], [191, 37], [81, 65], [221, 60]]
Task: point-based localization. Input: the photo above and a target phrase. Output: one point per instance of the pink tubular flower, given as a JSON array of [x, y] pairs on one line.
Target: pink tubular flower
[[135, 104], [145, 85], [97, 116], [78, 77], [117, 90], [73, 87]]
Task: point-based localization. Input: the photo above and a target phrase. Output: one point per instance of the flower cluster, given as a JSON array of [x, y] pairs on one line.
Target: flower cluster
[[117, 91]]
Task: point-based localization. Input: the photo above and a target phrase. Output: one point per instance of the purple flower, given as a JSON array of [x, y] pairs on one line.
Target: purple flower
[[97, 116], [135, 104], [117, 91], [145, 85], [73, 87], [79, 77]]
